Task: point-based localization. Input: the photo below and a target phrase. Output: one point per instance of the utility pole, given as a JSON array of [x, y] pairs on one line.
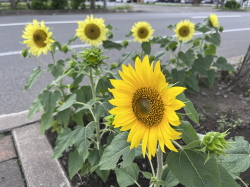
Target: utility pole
[[104, 4]]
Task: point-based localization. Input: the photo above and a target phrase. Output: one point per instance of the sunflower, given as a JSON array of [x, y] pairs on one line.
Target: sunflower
[[213, 19], [184, 30], [38, 38], [146, 106], [92, 30], [142, 31]]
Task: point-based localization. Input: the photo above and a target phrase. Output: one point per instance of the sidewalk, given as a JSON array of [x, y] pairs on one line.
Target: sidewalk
[[26, 155]]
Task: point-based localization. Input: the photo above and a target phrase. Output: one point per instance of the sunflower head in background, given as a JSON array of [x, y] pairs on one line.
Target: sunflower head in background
[[213, 20], [146, 105], [185, 30], [142, 32], [92, 31], [38, 38]]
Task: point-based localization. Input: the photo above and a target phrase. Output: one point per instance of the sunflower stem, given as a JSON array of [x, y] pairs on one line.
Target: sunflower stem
[[178, 145], [98, 134], [133, 48], [53, 57], [159, 155], [41, 61], [152, 167], [165, 166]]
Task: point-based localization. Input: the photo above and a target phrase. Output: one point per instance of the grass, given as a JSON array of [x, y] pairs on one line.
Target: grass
[[123, 7], [6, 6]]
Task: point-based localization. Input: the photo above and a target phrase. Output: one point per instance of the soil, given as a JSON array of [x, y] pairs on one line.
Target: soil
[[219, 110]]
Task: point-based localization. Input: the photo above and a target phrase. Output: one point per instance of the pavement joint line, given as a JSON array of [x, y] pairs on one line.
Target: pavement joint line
[[118, 41]]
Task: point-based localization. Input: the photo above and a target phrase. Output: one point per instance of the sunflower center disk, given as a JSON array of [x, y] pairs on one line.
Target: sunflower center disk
[[148, 106], [142, 32], [39, 38], [184, 31], [92, 31]]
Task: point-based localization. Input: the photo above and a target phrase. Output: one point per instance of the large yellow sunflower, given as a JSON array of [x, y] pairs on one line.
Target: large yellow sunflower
[[38, 38], [92, 30], [185, 30], [146, 106], [142, 32], [213, 19]]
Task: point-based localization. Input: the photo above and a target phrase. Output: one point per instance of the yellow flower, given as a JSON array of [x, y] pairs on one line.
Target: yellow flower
[[38, 38], [146, 106], [142, 31], [184, 30], [213, 19], [92, 30]]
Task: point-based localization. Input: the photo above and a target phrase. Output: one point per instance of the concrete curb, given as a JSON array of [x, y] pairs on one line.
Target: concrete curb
[[14, 120], [35, 154], [56, 12]]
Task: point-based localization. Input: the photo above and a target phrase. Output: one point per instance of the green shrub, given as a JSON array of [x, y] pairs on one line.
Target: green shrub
[[59, 4], [39, 4], [232, 4], [76, 3]]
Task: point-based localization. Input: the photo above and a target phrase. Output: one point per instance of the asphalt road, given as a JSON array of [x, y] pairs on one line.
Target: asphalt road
[[15, 70]]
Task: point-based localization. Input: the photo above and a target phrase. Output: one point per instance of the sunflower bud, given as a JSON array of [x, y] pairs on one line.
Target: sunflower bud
[[151, 58], [113, 66], [65, 48], [221, 28], [196, 42], [25, 53], [110, 35], [125, 43], [92, 57], [109, 120], [72, 63], [214, 143]]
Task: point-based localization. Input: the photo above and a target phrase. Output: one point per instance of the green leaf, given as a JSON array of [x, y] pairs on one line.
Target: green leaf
[[187, 58], [173, 45], [127, 176], [82, 142], [213, 38], [146, 47], [125, 57], [35, 107], [238, 155], [107, 44], [199, 66], [78, 118], [35, 74], [56, 69], [221, 63], [189, 108], [147, 174], [75, 163], [209, 80], [70, 101], [48, 100], [202, 28], [210, 50], [190, 168], [192, 145], [178, 76], [188, 133], [160, 182], [226, 179], [114, 151], [192, 82], [64, 140], [63, 117], [46, 122], [159, 55], [169, 178], [72, 39], [94, 158]]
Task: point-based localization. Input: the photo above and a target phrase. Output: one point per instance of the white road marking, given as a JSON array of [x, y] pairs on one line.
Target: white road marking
[[119, 41], [46, 22], [228, 16]]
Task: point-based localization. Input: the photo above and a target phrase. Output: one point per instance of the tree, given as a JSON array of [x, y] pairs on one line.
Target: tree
[[13, 4], [241, 81]]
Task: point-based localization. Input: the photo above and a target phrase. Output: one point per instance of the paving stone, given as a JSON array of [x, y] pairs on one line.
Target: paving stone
[[7, 150], [35, 154], [11, 121], [10, 175]]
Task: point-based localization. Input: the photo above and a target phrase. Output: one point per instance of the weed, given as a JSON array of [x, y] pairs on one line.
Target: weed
[[225, 123]]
